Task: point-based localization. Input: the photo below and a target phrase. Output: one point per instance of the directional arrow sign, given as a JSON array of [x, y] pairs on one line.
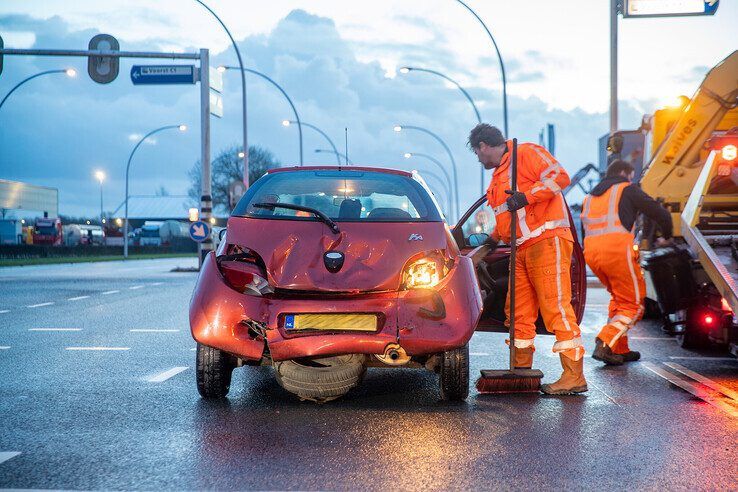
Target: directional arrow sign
[[199, 231], [162, 74]]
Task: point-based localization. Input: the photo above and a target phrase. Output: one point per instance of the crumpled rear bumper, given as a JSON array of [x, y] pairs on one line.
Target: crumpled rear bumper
[[219, 316]]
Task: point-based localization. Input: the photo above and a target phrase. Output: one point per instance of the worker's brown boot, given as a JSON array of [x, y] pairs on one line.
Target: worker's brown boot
[[604, 353], [571, 381], [631, 356], [524, 357]]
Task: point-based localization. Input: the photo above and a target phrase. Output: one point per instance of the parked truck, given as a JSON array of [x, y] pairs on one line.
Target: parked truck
[[48, 231]]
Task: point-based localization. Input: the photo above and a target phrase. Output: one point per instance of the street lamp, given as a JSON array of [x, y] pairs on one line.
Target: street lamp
[[286, 123], [502, 65], [69, 72], [407, 69], [399, 128], [181, 128], [243, 95], [223, 68], [339, 155], [100, 177]]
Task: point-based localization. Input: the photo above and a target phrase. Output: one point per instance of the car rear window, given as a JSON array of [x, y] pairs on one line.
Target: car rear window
[[348, 196]]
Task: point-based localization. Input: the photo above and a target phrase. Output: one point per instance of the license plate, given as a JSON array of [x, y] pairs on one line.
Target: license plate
[[330, 322]]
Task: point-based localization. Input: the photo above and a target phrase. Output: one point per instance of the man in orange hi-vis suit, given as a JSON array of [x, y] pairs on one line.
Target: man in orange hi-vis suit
[[545, 245], [608, 215]]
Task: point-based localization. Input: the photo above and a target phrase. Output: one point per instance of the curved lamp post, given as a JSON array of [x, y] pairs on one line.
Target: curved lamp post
[[407, 69], [330, 142], [70, 72], [502, 65], [435, 161], [445, 187], [223, 68], [243, 95], [128, 168], [338, 154], [100, 176], [399, 128]]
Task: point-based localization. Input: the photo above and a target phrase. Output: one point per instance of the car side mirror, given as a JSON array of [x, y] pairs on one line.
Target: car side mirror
[[222, 233], [476, 239]]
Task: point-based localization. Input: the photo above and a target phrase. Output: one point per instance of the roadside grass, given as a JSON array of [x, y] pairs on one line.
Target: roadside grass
[[88, 259]]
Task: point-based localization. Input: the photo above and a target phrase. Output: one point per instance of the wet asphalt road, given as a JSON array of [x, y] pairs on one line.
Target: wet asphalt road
[[132, 418]]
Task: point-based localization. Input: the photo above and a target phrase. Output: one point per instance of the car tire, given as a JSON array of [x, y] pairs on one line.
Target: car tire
[[322, 379], [213, 371], [454, 374]]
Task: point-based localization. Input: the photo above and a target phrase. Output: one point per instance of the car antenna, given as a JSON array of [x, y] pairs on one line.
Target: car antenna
[[345, 154]]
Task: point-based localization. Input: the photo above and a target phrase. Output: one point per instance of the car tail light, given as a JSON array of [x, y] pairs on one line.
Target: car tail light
[[241, 271], [425, 272], [708, 319]]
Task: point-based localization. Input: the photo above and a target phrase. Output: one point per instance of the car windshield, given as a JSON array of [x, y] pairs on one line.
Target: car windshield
[[46, 231], [344, 196]]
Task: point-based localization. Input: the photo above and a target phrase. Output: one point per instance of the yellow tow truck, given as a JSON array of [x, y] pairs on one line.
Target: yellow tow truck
[[690, 165]]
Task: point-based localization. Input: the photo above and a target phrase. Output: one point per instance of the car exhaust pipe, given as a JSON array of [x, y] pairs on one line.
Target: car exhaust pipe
[[394, 355]]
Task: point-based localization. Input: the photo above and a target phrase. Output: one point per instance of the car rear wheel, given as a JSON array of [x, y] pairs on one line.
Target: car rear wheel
[[322, 379], [214, 369], [454, 377]]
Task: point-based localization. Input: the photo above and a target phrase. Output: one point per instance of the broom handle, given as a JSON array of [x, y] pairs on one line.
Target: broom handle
[[513, 248]]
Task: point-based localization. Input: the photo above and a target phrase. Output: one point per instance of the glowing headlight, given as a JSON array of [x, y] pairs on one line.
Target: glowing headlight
[[730, 152], [424, 273]]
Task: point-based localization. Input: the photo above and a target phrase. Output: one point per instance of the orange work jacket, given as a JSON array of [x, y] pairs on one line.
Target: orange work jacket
[[541, 178], [601, 217]]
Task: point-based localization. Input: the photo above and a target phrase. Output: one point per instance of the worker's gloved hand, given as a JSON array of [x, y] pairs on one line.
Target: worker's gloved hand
[[491, 243], [516, 201]]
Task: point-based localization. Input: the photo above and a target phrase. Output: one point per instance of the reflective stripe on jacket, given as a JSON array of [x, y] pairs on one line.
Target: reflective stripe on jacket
[[600, 214], [541, 178]]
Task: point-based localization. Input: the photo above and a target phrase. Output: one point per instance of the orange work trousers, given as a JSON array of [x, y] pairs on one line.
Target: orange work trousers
[[614, 259], [543, 283]]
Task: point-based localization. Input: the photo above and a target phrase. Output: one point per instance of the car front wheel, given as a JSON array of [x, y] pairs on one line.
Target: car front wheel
[[454, 377], [214, 369]]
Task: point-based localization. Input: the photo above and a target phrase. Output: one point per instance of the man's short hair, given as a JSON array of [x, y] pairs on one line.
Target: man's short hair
[[617, 167], [491, 135]]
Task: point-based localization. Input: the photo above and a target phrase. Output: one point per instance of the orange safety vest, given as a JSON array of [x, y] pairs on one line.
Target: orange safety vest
[[600, 216], [541, 178]]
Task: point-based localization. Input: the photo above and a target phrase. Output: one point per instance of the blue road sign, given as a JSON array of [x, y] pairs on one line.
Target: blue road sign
[[199, 231], [162, 74], [668, 8]]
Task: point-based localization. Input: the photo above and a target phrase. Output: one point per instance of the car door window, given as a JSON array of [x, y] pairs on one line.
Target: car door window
[[480, 221]]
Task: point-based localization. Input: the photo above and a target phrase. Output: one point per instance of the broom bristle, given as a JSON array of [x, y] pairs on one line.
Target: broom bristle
[[505, 381]]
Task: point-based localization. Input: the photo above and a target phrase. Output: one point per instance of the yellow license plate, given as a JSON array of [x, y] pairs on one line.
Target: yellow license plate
[[338, 322]]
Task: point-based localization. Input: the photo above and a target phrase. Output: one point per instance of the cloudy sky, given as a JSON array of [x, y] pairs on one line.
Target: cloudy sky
[[338, 60]]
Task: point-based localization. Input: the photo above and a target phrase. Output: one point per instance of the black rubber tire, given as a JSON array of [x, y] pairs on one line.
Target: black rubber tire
[[651, 309], [454, 374], [213, 371], [692, 338], [322, 379]]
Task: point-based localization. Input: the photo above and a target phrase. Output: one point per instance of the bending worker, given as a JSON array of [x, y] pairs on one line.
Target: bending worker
[[608, 216], [545, 244]]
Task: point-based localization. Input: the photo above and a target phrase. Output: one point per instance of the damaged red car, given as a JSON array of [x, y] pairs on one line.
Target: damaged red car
[[324, 272]]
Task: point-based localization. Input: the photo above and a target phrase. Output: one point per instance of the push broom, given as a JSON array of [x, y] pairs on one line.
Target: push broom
[[511, 380]]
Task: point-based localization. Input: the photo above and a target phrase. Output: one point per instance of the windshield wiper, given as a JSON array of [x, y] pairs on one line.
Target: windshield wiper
[[320, 215]]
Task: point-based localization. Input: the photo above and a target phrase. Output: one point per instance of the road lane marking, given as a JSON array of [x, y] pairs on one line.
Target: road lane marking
[[166, 374], [652, 338], [158, 283], [693, 389], [733, 359], [40, 305], [147, 330], [478, 353], [55, 329], [733, 395], [78, 298], [6, 455], [3, 311], [108, 292], [4, 347], [136, 287], [98, 348]]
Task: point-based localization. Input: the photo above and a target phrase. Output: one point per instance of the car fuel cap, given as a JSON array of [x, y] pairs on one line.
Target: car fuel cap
[[333, 260]]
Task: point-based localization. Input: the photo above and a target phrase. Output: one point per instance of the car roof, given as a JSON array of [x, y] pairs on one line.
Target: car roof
[[338, 168]]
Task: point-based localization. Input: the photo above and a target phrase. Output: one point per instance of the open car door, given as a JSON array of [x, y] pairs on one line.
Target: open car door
[[493, 269]]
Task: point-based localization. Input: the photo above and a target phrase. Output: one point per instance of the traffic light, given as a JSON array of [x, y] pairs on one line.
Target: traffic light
[[103, 69]]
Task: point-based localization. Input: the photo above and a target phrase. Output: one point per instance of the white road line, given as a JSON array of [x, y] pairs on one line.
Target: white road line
[[146, 330], [55, 329], [78, 298], [693, 389], [474, 353], [166, 374], [108, 292], [98, 348], [158, 283], [599, 306], [6, 455], [40, 305], [653, 338], [193, 349], [721, 359], [134, 287], [3, 311], [702, 379], [4, 347]]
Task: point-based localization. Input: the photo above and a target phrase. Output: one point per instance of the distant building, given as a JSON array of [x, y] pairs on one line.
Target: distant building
[[154, 208], [19, 199]]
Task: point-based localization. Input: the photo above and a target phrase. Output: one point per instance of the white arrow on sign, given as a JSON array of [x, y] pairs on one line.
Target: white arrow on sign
[[198, 230]]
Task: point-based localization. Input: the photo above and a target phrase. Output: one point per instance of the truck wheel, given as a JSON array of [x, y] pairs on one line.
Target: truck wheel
[[213, 371], [691, 337], [322, 379], [454, 377], [651, 309]]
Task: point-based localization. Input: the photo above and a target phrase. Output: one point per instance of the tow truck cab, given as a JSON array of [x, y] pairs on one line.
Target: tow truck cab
[[47, 231]]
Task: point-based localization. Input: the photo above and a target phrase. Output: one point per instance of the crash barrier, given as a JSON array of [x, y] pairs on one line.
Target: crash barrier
[[45, 251]]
